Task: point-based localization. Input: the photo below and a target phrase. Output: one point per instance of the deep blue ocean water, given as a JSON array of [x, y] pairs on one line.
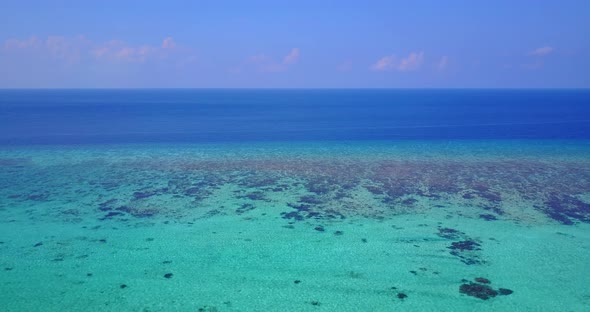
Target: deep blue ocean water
[[136, 116]]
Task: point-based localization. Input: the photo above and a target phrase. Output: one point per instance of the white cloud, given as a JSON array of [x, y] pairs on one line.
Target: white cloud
[[388, 63], [168, 43], [292, 57], [412, 62], [385, 63], [120, 51], [542, 51]]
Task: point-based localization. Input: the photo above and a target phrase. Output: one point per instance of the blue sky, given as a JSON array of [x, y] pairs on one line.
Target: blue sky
[[295, 44]]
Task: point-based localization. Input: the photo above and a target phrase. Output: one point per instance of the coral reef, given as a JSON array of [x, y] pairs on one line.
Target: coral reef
[[481, 289]]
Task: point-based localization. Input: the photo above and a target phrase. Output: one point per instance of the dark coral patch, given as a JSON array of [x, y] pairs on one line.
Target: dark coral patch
[[494, 209], [245, 208], [409, 201], [466, 251], [142, 195], [374, 189], [139, 212], [300, 207], [256, 196], [488, 217], [111, 214], [563, 208], [319, 228], [311, 200], [318, 188], [168, 275], [292, 215], [482, 280], [480, 291], [107, 205], [449, 233], [465, 245], [38, 197]]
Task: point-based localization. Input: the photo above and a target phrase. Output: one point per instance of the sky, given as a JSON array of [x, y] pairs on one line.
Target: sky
[[295, 44]]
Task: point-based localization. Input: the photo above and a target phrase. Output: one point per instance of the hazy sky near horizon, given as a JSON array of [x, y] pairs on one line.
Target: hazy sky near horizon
[[295, 44]]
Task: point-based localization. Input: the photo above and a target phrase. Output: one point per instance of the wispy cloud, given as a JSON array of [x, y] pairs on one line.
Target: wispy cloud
[[537, 58], [116, 50], [542, 51], [409, 63], [412, 62], [77, 49], [19, 44], [168, 43], [292, 57], [68, 49], [385, 63], [264, 63]]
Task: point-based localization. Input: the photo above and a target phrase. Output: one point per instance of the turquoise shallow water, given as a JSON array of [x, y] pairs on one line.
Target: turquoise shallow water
[[317, 226]]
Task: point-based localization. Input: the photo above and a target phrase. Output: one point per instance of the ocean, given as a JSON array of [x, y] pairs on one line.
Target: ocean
[[294, 200]]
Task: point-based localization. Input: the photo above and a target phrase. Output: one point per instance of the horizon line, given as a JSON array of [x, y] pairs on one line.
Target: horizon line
[[293, 88]]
